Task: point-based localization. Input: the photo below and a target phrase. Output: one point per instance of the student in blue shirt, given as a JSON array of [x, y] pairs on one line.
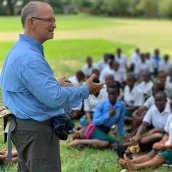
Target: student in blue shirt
[[110, 112], [34, 96]]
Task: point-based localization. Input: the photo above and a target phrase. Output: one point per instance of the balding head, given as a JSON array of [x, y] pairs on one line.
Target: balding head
[[29, 10]]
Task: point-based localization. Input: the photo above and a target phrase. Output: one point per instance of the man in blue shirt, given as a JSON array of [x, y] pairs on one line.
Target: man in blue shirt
[[33, 95]]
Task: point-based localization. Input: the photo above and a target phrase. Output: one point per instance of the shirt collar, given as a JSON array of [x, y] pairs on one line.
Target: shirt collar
[[166, 109], [36, 44]]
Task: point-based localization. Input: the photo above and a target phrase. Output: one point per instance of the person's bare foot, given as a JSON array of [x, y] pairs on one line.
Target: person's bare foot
[[74, 143], [122, 162], [130, 165]]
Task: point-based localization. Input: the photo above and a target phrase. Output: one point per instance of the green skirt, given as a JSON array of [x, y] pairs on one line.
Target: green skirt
[[99, 134], [167, 155]]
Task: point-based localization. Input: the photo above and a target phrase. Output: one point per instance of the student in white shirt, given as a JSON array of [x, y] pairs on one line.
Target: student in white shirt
[[164, 64], [145, 86], [142, 65], [150, 62], [77, 79], [104, 62], [156, 116], [131, 97], [135, 57], [161, 152], [107, 71], [162, 78], [121, 59], [88, 67], [138, 115], [119, 73]]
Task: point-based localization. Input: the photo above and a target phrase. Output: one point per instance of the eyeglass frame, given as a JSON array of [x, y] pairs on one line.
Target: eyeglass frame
[[48, 20]]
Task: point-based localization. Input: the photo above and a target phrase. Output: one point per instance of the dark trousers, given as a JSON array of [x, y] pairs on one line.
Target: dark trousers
[[37, 146]]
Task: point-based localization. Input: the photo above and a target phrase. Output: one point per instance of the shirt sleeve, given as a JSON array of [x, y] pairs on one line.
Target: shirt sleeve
[[87, 107], [39, 80], [167, 125], [120, 113], [100, 117], [148, 117]]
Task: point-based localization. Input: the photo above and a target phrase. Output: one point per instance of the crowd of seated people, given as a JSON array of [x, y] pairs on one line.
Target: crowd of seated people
[[135, 102]]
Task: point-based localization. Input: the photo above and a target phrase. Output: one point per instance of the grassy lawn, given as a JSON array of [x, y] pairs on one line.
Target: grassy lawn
[[77, 37]]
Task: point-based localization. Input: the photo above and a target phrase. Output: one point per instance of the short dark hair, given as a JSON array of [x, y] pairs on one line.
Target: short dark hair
[[113, 86]]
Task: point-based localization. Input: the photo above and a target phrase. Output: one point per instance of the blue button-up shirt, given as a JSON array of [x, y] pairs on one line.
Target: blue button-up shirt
[[29, 88], [101, 115]]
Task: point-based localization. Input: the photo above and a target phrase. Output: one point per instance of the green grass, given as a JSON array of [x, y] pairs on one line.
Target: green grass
[[81, 21], [67, 56], [79, 36]]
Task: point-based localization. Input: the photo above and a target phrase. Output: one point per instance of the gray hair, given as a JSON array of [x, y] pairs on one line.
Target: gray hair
[[30, 9]]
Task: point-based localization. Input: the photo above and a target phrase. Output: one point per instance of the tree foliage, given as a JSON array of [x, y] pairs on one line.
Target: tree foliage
[[165, 7], [149, 8]]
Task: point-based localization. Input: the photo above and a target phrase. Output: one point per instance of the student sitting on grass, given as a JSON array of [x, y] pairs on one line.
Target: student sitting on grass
[[94, 137], [161, 153], [156, 116], [145, 86], [139, 114], [131, 97], [109, 112]]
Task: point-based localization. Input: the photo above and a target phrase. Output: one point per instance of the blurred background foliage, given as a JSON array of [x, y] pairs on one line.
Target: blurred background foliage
[[121, 8]]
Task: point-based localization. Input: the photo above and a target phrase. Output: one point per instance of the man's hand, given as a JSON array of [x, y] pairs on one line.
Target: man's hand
[[93, 87]]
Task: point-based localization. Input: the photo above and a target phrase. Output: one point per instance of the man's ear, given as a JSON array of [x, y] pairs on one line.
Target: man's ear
[[30, 23]]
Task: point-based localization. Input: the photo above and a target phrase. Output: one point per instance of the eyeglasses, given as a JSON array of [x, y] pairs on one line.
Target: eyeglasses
[[48, 20]]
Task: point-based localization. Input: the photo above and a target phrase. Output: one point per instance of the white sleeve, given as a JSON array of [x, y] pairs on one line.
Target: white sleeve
[[87, 105], [148, 116], [167, 125], [149, 102]]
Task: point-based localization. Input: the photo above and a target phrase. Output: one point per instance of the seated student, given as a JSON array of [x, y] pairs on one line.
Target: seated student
[[88, 67], [109, 80], [93, 136], [165, 65], [138, 115], [150, 63], [119, 74], [142, 65], [131, 97], [103, 63], [145, 86], [77, 79], [162, 78], [156, 59], [4, 160], [96, 72], [161, 152], [135, 57], [109, 112], [107, 71], [156, 117], [121, 59]]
